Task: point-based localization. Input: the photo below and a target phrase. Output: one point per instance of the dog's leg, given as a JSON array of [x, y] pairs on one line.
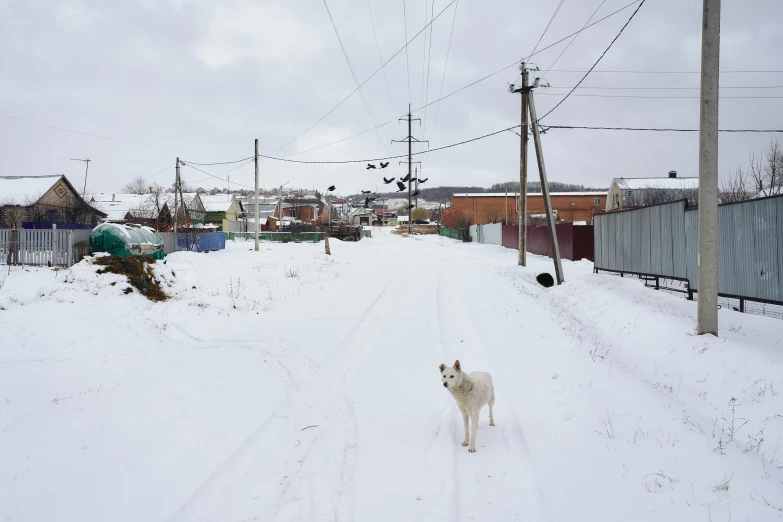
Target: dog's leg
[[491, 404], [473, 426], [465, 421]]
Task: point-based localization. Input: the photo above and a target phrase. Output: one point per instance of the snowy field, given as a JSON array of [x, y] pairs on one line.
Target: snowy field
[[288, 385]]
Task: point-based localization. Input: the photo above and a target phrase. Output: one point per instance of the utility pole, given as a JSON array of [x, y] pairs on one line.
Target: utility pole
[[523, 139], [505, 201], [529, 107], [416, 175], [176, 192], [256, 212], [550, 218], [708, 171], [410, 140], [86, 168]]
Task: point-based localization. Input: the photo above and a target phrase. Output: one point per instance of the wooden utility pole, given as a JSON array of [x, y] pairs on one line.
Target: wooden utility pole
[[550, 218], [410, 140], [176, 203], [707, 321], [86, 168], [256, 212], [523, 142]]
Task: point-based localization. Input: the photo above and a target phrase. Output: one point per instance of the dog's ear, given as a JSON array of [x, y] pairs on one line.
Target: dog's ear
[[457, 366], [442, 367]]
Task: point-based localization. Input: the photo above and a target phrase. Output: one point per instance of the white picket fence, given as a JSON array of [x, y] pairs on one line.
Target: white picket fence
[[43, 247]]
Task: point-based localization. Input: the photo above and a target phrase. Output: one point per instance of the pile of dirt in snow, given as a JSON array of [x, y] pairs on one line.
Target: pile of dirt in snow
[[140, 274]]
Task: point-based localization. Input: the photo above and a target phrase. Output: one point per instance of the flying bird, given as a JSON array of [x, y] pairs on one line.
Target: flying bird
[[415, 193], [423, 180], [373, 198], [411, 206], [366, 191], [331, 188], [370, 166], [384, 165], [387, 181], [401, 186], [406, 178], [413, 180], [366, 202]]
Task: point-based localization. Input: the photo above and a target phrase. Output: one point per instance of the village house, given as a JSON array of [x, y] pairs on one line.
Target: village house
[[225, 211], [497, 207], [151, 210], [306, 208], [643, 192], [43, 200]]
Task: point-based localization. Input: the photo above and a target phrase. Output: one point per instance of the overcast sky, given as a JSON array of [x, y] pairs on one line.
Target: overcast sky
[[200, 79]]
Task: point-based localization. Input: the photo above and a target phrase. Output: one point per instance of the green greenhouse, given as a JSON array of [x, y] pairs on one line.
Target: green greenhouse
[[124, 240]]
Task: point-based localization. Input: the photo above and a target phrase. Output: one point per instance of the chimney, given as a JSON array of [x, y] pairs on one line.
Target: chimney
[[112, 197], [672, 173]]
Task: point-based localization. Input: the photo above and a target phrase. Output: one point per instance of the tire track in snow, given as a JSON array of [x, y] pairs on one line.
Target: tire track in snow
[[296, 474]]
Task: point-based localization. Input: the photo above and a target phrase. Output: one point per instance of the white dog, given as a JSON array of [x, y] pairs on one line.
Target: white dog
[[471, 392]]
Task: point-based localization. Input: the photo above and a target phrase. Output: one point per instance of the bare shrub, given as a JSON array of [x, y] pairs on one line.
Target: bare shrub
[[724, 484], [292, 272], [234, 290], [605, 424], [655, 481]]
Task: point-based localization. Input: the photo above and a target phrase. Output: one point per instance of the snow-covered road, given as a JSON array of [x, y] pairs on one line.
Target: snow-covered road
[[288, 385]]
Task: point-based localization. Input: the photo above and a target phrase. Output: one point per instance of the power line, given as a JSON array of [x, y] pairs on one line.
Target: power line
[[380, 58], [669, 72], [187, 164], [407, 60], [546, 28], [101, 137], [596, 62], [660, 97], [427, 91], [161, 171], [222, 162], [574, 39], [671, 88], [577, 127], [404, 47], [445, 67], [356, 80]]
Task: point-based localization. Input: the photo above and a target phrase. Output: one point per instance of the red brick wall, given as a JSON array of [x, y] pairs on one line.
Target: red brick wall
[[492, 209]]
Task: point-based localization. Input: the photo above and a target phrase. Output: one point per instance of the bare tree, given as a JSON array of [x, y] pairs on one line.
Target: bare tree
[[655, 196], [736, 187], [766, 170], [136, 186], [11, 214], [493, 215]]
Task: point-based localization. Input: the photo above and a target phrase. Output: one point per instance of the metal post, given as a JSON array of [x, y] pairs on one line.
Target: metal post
[[505, 201], [256, 216], [523, 170], [707, 258], [55, 246], [410, 151], [550, 218], [176, 201]]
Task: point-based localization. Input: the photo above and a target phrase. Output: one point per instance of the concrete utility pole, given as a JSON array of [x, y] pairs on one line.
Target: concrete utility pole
[[86, 168], [416, 188], [256, 216], [176, 193], [708, 171], [550, 217], [410, 140], [523, 139]]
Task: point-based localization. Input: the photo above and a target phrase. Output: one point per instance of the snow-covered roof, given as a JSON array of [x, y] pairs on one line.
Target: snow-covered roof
[[217, 203], [25, 190], [116, 206], [515, 194], [657, 183]]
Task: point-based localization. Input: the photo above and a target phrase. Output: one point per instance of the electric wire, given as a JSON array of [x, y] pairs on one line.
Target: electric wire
[[596, 62], [445, 68], [545, 128], [557, 10], [407, 59], [427, 89], [380, 57], [404, 47], [574, 38], [355, 79]]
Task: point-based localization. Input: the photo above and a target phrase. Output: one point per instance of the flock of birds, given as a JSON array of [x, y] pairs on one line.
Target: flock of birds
[[400, 185]]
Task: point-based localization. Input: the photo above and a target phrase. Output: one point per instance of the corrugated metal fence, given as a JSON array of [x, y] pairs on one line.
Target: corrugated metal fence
[[50, 247], [662, 241], [575, 241]]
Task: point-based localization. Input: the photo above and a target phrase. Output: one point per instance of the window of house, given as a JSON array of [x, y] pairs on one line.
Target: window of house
[[596, 201]]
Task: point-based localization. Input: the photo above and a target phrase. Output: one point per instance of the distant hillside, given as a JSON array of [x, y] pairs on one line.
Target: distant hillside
[[443, 194]]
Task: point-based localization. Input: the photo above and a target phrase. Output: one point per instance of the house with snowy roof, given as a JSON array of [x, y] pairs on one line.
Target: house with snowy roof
[[43, 200], [642, 192]]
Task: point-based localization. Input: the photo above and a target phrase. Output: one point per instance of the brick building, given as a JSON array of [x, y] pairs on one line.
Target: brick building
[[489, 207]]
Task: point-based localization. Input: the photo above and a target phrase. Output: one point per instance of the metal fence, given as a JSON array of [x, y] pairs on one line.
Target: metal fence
[[461, 234], [490, 234], [575, 241], [37, 247], [662, 241]]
